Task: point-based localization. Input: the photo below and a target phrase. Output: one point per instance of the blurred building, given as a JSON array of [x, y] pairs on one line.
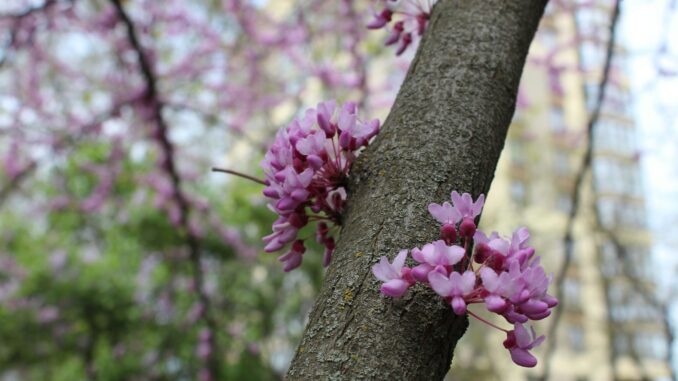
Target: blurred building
[[607, 330]]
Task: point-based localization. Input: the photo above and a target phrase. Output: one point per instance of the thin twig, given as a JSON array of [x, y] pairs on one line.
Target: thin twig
[[585, 166], [640, 286], [239, 174], [15, 183]]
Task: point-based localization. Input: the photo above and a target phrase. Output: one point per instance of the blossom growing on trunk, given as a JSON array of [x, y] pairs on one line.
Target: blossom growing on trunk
[[292, 259], [396, 277], [306, 170], [410, 19], [519, 342], [454, 289], [509, 279], [435, 256]]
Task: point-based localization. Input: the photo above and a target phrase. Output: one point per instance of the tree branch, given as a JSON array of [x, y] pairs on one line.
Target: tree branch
[[445, 132], [15, 182], [161, 135], [640, 286]]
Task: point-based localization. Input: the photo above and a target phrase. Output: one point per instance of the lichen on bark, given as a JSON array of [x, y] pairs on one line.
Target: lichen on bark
[[445, 132]]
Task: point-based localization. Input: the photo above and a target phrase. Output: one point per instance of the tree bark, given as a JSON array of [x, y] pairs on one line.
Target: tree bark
[[445, 132]]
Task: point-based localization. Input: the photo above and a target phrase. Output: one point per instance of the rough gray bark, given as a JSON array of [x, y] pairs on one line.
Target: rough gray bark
[[445, 132]]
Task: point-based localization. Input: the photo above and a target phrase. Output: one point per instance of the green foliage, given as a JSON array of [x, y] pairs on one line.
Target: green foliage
[[107, 295]]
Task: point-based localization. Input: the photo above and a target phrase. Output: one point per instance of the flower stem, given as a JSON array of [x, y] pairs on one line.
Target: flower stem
[[239, 174], [466, 255], [485, 321]]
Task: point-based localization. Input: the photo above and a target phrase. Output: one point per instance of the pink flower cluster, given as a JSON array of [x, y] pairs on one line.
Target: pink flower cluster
[[306, 172], [502, 273], [412, 18]]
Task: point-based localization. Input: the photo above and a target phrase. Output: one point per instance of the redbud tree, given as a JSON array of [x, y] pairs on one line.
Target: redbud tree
[[444, 132]]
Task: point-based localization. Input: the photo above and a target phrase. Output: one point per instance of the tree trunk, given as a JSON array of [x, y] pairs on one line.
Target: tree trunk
[[444, 133]]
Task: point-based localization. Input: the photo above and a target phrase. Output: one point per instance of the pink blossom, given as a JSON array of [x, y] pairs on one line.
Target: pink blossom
[[519, 342], [436, 256], [445, 213], [292, 259], [519, 249], [465, 205], [510, 281], [412, 18], [396, 278], [381, 19], [495, 285], [491, 251], [464, 209], [454, 289], [284, 231], [307, 168], [532, 301]]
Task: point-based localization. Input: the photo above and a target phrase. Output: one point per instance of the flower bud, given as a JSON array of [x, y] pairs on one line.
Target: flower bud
[[448, 233], [467, 228]]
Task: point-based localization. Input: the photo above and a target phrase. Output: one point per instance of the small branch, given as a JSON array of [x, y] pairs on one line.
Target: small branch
[[15, 183], [239, 174], [485, 321], [639, 285]]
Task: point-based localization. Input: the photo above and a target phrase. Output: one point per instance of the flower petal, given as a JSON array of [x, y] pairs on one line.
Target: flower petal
[[384, 271], [440, 283], [453, 254], [468, 282], [437, 212], [523, 337], [490, 279], [495, 304], [399, 261], [418, 255], [522, 357], [394, 288], [458, 305]]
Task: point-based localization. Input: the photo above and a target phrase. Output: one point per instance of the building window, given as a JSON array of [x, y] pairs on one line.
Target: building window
[[591, 91], [609, 135], [576, 337], [633, 215], [616, 101], [639, 261], [561, 162], [617, 296], [519, 192], [572, 293], [633, 181], [651, 345], [564, 202], [608, 213], [621, 344], [557, 118], [517, 152], [609, 261], [548, 38]]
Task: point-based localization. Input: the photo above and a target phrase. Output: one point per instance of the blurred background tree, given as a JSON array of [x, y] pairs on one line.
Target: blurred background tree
[[124, 258]]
